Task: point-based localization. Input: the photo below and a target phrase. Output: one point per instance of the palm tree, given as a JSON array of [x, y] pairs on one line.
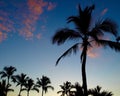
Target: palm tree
[[97, 92], [78, 90], [4, 88], [30, 86], [8, 73], [44, 84], [20, 80], [86, 35], [66, 89]]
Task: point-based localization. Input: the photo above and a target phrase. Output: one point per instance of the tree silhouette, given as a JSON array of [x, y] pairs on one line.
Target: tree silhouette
[[87, 35], [66, 89], [7, 73], [97, 92], [30, 86], [44, 84], [78, 90], [4, 88], [21, 81]]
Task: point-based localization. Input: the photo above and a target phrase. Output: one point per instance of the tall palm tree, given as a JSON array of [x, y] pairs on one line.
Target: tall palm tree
[[97, 92], [20, 80], [4, 88], [30, 86], [44, 83], [66, 89], [7, 73], [86, 35]]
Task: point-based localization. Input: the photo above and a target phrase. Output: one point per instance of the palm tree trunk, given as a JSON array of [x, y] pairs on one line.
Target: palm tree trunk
[[7, 85], [27, 93], [20, 91], [42, 92], [84, 79]]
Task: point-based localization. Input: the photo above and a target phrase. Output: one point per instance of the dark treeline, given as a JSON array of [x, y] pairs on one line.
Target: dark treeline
[[25, 83]]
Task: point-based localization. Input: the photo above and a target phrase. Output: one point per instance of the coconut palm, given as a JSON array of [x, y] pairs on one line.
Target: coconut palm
[[78, 90], [97, 92], [66, 89], [7, 73], [44, 83], [4, 88], [20, 80], [30, 86], [87, 35]]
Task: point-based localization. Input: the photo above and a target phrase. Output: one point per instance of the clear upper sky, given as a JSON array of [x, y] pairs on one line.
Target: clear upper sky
[[26, 29]]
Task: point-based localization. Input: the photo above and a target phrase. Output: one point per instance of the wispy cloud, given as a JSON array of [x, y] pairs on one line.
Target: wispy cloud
[[3, 36], [93, 52], [51, 5], [22, 17], [104, 11], [36, 8]]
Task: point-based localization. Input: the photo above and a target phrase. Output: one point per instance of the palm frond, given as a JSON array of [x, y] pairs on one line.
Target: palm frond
[[111, 44], [64, 34], [107, 25], [118, 39], [10, 90], [51, 87], [73, 49], [24, 89], [36, 89]]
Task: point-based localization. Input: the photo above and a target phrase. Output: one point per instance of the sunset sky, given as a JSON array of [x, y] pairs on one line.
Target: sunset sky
[[26, 30]]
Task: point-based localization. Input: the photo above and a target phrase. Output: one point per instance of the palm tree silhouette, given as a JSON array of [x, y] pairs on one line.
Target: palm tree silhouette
[[86, 35], [97, 92], [20, 80], [78, 90], [30, 86], [44, 84], [66, 89], [7, 73], [4, 88]]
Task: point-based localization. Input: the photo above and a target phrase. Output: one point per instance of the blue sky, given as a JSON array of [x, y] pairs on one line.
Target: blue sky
[[26, 29]]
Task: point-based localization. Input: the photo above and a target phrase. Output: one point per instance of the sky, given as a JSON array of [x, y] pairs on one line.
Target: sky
[[26, 31]]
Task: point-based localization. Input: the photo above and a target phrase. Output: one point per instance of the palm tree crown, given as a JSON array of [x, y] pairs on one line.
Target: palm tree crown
[[86, 35], [4, 88], [97, 92], [44, 84], [66, 89], [30, 86], [20, 80], [7, 73]]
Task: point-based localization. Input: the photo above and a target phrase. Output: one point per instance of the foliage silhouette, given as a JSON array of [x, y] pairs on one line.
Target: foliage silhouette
[[4, 88], [78, 90], [7, 73], [97, 92], [30, 86], [66, 89], [20, 80], [44, 84], [87, 34]]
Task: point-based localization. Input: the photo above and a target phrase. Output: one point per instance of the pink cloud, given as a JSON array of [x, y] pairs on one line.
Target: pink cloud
[[6, 25], [51, 6], [3, 36], [25, 17], [38, 36], [35, 8], [93, 52], [104, 11]]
